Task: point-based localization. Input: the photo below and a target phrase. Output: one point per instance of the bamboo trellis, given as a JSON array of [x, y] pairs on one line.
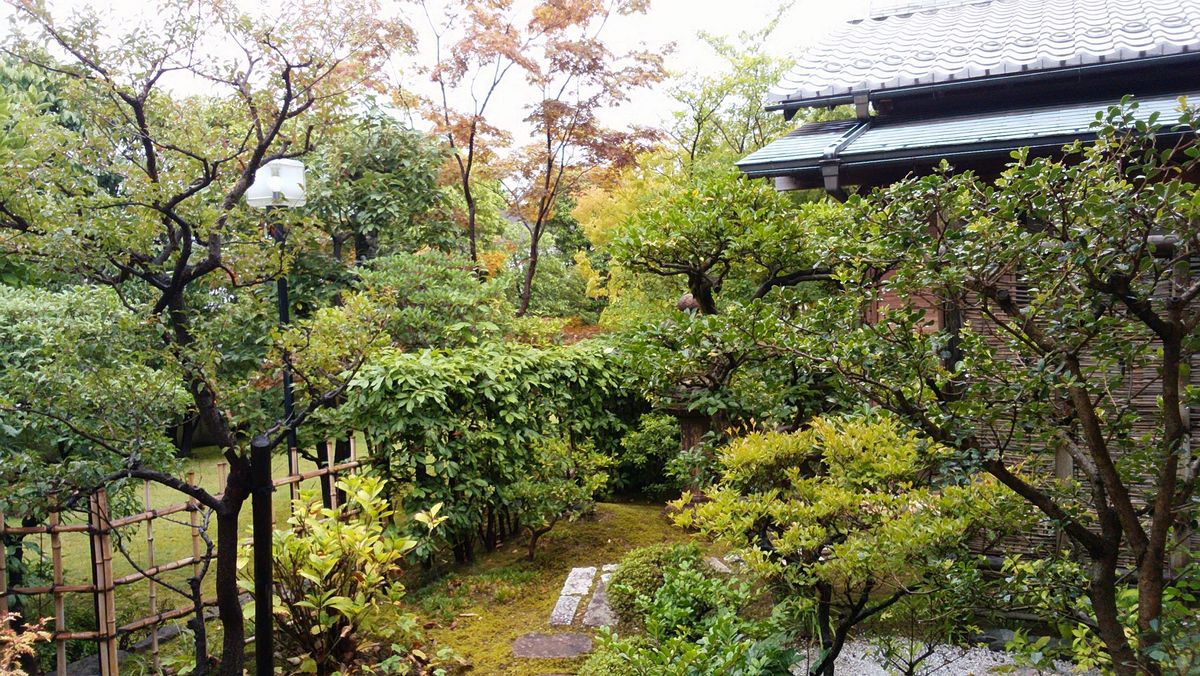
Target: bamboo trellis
[[100, 528]]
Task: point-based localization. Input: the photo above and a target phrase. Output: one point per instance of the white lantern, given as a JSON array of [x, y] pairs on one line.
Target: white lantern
[[278, 183]]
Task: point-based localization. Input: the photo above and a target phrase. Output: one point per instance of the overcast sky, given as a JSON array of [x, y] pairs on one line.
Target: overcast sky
[[668, 21]]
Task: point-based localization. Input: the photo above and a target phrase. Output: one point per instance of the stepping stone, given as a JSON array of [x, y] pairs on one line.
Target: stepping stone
[[609, 568], [598, 613], [547, 646], [564, 610], [579, 580]]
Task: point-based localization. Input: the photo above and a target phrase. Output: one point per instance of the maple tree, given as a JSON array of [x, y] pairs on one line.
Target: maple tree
[[576, 75], [475, 47]]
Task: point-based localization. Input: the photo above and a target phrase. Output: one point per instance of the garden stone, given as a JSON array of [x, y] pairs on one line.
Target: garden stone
[[598, 613], [546, 646], [717, 565], [609, 568], [579, 581], [564, 610]]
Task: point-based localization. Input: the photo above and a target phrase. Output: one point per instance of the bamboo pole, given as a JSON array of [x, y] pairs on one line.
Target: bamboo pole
[[3, 568], [294, 470], [194, 522], [330, 462], [222, 470], [151, 586], [102, 562], [60, 613], [311, 474]]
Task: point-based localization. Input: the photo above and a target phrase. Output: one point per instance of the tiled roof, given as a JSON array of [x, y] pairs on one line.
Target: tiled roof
[[987, 38], [883, 140]]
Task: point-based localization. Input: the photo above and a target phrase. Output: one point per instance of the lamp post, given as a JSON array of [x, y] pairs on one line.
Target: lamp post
[[279, 183]]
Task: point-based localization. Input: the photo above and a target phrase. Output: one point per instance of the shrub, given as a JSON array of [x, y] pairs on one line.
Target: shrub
[[337, 587], [641, 574], [18, 644], [693, 627]]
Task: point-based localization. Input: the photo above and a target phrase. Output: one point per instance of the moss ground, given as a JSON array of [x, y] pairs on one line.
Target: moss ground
[[479, 609]]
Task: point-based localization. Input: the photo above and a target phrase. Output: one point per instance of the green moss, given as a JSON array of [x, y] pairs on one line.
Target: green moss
[[502, 596]]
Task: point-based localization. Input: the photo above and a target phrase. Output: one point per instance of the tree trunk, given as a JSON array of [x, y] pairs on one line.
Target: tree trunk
[[701, 288], [527, 280], [229, 605], [199, 630], [824, 667], [471, 215], [1103, 592]]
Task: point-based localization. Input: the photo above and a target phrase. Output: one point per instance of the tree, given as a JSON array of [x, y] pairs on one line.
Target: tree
[[576, 76], [1068, 315], [721, 114], [165, 229], [375, 186], [844, 513], [485, 48], [711, 226]]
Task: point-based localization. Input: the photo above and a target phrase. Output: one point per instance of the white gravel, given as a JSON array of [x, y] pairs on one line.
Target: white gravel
[[859, 658]]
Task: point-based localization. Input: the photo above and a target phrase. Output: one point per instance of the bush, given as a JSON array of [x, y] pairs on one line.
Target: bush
[[641, 574], [16, 645], [605, 662], [337, 588], [693, 627]]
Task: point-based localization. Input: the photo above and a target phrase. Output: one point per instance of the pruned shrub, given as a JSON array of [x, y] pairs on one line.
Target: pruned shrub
[[640, 574]]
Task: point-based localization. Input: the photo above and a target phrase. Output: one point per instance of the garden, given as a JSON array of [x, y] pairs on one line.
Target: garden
[[299, 328]]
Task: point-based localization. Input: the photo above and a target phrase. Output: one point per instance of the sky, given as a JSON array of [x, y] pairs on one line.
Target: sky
[[674, 22]]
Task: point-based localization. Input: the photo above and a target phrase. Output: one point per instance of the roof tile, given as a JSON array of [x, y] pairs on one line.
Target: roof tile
[[980, 39]]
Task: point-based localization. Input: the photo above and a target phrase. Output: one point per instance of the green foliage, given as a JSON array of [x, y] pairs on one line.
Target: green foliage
[[693, 626], [337, 590], [559, 484], [645, 452], [1068, 318], [375, 187], [434, 300], [844, 514], [81, 388], [464, 427], [640, 575]]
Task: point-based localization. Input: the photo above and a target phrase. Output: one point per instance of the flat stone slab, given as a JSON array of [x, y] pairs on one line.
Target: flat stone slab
[[598, 613], [579, 581], [609, 568], [564, 610], [547, 646]]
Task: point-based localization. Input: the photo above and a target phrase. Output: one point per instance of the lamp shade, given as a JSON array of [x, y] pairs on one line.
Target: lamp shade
[[278, 183]]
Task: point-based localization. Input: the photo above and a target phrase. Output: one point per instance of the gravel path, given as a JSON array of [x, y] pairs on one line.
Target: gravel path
[[858, 658]]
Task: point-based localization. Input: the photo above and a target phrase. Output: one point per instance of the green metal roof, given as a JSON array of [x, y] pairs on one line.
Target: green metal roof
[[884, 140]]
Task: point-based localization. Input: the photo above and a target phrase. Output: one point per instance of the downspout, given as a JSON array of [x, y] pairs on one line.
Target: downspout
[[831, 163]]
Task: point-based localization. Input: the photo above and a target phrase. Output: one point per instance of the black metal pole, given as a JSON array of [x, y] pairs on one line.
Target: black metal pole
[[260, 462], [264, 636]]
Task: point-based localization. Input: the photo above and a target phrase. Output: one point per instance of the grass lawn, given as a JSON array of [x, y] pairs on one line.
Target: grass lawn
[[480, 609]]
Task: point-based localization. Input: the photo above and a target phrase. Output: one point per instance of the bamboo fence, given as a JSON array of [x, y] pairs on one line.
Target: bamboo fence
[[101, 528]]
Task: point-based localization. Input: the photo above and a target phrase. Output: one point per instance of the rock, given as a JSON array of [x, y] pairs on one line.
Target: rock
[[598, 613], [717, 565], [90, 665], [996, 638], [579, 580], [564, 610], [547, 646], [609, 568], [165, 633]]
